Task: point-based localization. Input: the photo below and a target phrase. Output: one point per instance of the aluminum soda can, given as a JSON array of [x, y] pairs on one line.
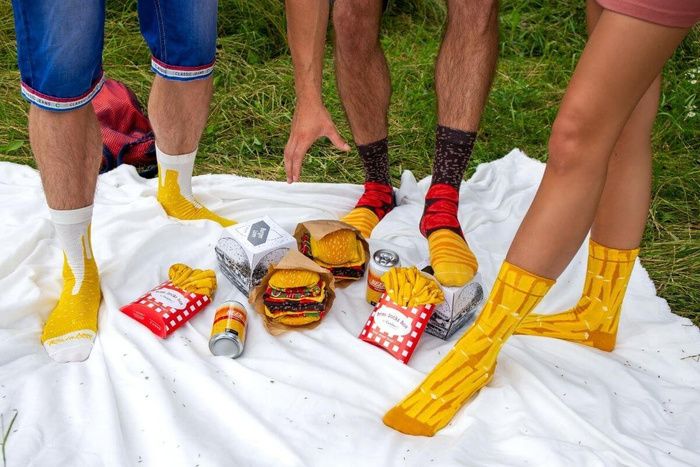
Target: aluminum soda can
[[381, 262], [229, 329]]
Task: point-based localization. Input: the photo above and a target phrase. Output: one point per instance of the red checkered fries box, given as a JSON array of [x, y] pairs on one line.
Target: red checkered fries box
[[165, 308], [395, 328]]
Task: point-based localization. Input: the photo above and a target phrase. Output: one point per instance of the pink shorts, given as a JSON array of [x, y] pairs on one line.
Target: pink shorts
[[673, 13]]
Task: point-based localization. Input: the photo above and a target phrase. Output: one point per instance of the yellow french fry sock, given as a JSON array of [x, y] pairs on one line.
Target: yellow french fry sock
[[363, 219], [175, 189], [470, 364], [595, 318], [453, 262], [375, 203], [70, 331]]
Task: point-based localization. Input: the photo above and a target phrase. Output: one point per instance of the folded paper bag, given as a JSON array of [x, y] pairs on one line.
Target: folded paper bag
[[292, 260]]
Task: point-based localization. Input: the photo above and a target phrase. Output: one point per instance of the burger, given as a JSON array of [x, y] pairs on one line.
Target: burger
[[295, 297], [341, 252]]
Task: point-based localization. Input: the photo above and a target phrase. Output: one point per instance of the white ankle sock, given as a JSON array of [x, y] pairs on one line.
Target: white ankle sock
[[183, 164], [72, 228]]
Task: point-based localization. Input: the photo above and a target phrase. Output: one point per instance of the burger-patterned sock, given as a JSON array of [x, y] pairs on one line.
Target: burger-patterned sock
[[595, 318], [378, 198], [450, 256], [175, 189], [470, 364], [70, 331]]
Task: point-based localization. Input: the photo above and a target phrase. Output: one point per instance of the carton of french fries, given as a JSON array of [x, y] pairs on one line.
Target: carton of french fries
[[402, 313], [460, 308]]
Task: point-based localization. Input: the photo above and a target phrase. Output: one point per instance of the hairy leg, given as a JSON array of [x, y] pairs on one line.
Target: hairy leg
[[365, 90], [362, 73], [466, 63], [67, 147], [463, 75], [178, 111], [620, 62]]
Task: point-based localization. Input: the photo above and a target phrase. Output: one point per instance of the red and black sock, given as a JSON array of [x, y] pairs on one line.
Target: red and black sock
[[453, 148], [379, 195]]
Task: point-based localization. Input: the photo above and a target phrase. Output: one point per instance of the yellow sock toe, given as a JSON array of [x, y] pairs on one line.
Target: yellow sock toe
[[183, 206], [452, 260], [470, 364], [595, 318], [362, 219], [397, 419]]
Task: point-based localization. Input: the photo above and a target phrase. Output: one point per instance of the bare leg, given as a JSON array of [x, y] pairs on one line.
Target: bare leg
[[621, 217], [620, 62], [362, 74], [463, 75], [178, 111], [616, 232], [466, 63], [67, 147], [365, 90]]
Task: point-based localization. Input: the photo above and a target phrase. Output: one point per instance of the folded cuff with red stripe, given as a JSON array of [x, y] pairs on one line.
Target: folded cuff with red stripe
[[181, 73], [61, 104]]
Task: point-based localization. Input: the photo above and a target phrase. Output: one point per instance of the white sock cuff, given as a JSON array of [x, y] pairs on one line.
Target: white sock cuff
[[71, 216], [175, 159]]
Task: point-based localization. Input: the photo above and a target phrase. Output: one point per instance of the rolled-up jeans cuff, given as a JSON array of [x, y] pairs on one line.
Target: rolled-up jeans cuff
[[181, 73], [61, 104]]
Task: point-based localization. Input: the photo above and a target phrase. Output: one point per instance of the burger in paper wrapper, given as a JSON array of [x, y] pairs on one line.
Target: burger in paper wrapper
[[296, 293], [336, 246]]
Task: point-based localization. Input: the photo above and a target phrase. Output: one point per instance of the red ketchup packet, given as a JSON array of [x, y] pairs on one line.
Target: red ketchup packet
[[165, 308], [395, 328]]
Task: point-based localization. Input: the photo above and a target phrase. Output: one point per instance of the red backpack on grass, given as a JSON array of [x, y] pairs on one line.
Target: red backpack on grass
[[127, 136]]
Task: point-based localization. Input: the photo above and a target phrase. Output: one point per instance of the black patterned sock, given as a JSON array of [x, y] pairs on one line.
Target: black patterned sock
[[375, 160], [453, 148]]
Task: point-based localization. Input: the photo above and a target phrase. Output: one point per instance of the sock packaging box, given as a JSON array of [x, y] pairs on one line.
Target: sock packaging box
[[246, 250], [165, 308], [459, 309], [396, 329]]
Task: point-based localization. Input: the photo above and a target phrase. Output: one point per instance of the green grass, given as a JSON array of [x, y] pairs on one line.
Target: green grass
[[541, 41], [6, 435]]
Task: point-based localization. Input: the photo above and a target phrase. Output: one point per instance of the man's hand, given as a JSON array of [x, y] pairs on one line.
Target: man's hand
[[310, 122]]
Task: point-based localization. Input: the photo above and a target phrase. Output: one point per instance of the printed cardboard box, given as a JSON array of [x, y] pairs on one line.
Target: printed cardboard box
[[246, 250], [460, 307]]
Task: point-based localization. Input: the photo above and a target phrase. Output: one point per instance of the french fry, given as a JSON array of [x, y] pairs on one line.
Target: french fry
[[198, 281], [409, 287]]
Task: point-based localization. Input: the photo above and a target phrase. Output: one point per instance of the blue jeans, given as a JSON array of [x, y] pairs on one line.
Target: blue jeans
[[59, 45]]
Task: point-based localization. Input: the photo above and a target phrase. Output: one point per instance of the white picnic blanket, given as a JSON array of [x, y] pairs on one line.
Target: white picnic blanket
[[318, 397]]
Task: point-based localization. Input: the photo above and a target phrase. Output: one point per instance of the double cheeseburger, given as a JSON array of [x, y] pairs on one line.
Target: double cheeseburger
[[295, 297], [341, 252]]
